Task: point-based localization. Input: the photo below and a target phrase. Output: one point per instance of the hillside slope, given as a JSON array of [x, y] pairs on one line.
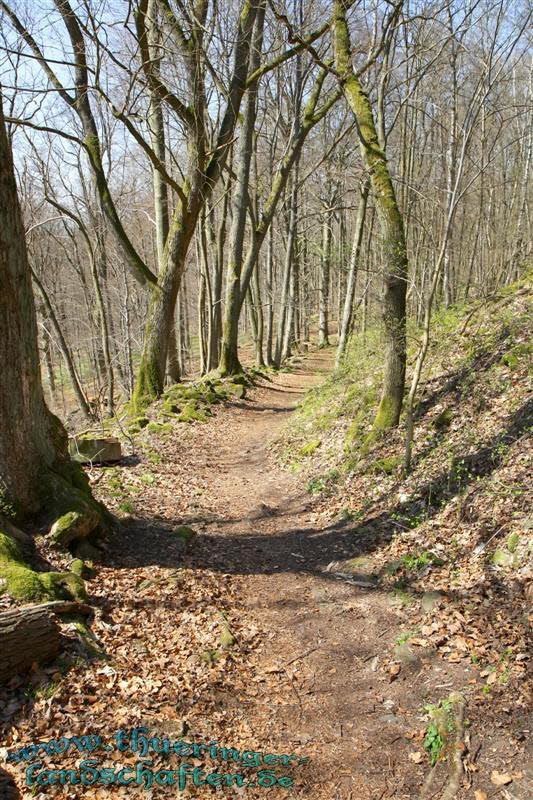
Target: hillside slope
[[452, 541]]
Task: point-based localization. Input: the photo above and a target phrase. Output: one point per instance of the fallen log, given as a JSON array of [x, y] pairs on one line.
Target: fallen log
[[63, 607], [27, 635]]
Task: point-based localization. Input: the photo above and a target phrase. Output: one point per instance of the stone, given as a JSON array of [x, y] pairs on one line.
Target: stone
[[95, 451], [403, 653], [430, 600], [72, 526], [237, 390]]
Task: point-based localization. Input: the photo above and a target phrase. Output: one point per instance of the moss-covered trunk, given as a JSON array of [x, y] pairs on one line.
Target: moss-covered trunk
[[36, 473], [160, 321], [391, 223]]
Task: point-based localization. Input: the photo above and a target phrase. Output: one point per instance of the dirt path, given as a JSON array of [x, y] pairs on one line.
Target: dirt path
[[325, 637]]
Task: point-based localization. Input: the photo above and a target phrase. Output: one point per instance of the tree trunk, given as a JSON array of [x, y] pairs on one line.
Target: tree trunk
[[347, 315], [35, 469], [229, 357], [392, 228], [151, 376], [269, 289], [324, 280]]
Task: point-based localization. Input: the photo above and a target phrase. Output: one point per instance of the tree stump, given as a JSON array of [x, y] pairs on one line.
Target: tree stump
[[85, 450], [27, 635]]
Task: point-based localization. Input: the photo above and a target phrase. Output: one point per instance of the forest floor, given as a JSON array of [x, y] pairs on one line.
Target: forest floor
[[246, 635]]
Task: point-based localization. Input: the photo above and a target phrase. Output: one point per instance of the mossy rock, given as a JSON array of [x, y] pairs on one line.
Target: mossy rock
[[192, 393], [9, 551], [191, 413], [185, 533], [386, 465], [512, 542], [64, 585], [236, 390], [309, 449], [444, 419], [70, 492], [80, 568], [26, 585], [23, 584], [72, 526], [502, 558], [10, 530]]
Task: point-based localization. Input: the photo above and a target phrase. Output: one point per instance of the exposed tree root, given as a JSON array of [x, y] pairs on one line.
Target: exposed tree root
[[456, 749]]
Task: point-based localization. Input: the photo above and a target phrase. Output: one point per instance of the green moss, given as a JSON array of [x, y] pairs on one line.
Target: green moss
[[386, 415], [171, 407], [513, 542], [386, 465], [309, 449], [517, 355], [444, 419], [227, 639], [64, 585], [78, 567], [185, 532], [139, 422], [502, 558], [159, 427], [210, 657], [149, 384], [67, 491], [191, 413], [9, 551], [23, 584]]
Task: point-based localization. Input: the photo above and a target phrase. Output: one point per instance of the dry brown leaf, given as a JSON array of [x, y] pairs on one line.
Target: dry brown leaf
[[500, 778], [394, 670], [479, 795]]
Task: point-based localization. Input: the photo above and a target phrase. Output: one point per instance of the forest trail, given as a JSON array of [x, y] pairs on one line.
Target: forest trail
[[320, 639], [325, 636]]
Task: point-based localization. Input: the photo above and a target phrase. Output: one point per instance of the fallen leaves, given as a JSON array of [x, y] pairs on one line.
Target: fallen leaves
[[500, 778]]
